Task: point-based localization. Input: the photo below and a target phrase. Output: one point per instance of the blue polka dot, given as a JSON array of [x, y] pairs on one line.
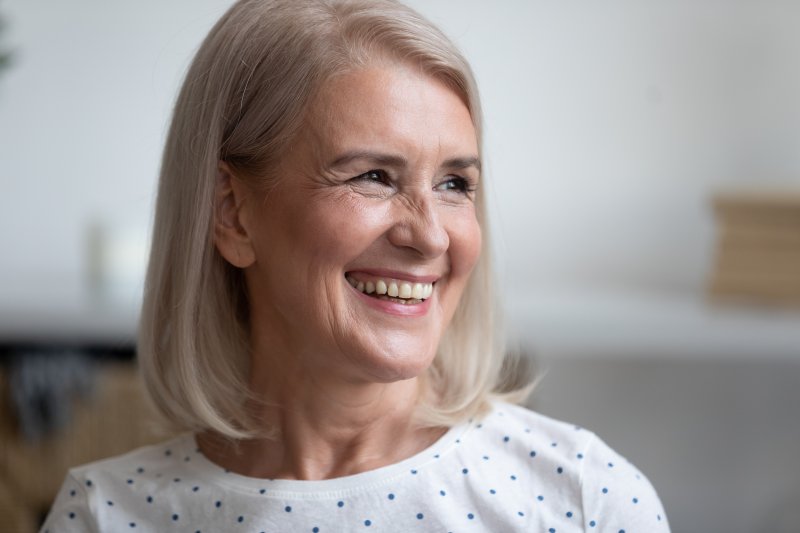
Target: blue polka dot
[[130, 482], [420, 516], [551, 530], [177, 480], [560, 470], [506, 438], [218, 503], [554, 444], [569, 514], [605, 490], [513, 477], [149, 499], [592, 523], [168, 452], [659, 517], [621, 531], [390, 496], [72, 493], [533, 454], [611, 465], [492, 491], [71, 516], [414, 472], [262, 491], [288, 508], [110, 503], [132, 524], [636, 500], [340, 503], [195, 488], [175, 517], [315, 530], [464, 470], [580, 456], [367, 523], [443, 493], [88, 482], [520, 513], [540, 498], [485, 457], [140, 470], [470, 516], [240, 519]]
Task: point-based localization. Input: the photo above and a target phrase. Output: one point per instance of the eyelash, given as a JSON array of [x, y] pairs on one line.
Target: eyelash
[[462, 185]]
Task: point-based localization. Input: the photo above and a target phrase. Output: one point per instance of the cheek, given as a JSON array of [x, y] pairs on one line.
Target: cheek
[[465, 247]]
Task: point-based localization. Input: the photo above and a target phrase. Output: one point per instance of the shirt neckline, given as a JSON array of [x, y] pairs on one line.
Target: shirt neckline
[[327, 488]]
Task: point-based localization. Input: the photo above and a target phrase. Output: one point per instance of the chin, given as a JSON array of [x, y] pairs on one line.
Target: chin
[[388, 368]]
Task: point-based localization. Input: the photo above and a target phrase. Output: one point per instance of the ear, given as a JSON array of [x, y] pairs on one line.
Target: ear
[[231, 236]]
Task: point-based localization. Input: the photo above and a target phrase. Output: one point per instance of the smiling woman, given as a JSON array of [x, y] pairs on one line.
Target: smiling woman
[[318, 313]]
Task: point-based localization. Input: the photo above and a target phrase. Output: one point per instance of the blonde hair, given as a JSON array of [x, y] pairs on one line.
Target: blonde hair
[[242, 101]]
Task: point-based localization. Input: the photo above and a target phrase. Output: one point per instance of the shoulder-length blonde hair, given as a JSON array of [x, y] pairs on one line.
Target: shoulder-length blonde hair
[[242, 101]]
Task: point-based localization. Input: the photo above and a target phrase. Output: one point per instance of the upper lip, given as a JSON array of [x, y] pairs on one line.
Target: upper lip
[[396, 274]]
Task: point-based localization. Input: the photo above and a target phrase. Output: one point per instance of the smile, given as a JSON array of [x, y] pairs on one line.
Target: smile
[[393, 290]]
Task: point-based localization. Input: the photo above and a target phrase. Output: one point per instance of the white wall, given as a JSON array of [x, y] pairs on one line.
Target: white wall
[[609, 124]]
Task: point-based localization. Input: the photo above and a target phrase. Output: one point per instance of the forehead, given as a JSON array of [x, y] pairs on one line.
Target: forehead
[[391, 107]]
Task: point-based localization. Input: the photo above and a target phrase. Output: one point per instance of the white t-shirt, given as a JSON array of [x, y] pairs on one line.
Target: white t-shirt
[[515, 470]]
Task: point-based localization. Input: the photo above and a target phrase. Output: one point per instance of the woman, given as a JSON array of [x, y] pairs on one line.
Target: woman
[[318, 308]]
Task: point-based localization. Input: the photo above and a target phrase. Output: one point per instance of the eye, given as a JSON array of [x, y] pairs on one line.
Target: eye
[[376, 176], [456, 184]]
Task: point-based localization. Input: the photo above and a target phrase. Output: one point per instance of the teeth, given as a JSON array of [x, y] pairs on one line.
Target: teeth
[[380, 287], [393, 288], [405, 290], [418, 291]]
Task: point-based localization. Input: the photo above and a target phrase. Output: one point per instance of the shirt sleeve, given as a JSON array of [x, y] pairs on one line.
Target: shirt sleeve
[[617, 497], [71, 512]]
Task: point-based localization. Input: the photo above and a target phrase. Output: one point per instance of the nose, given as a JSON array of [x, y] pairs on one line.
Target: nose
[[418, 227]]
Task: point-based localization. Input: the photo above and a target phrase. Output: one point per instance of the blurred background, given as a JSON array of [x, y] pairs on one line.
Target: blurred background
[[643, 160]]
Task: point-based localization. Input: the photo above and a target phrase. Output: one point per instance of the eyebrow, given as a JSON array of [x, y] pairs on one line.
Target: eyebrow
[[392, 160]]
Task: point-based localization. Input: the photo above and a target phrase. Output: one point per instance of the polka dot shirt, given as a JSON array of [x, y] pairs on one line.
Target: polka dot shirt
[[514, 470]]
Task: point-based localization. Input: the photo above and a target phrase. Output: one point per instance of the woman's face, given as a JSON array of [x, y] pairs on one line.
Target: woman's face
[[375, 196]]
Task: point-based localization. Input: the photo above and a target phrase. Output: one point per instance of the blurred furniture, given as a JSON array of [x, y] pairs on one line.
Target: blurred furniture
[[758, 247], [114, 420]]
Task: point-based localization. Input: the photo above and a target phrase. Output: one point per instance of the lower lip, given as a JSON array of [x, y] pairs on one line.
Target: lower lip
[[394, 308]]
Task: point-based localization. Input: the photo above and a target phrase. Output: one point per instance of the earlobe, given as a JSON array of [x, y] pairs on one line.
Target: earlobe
[[231, 236]]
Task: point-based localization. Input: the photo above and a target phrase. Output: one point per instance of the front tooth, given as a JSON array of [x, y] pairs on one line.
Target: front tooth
[[360, 286], [428, 290], [380, 287], [417, 291], [370, 287], [392, 290], [405, 290]]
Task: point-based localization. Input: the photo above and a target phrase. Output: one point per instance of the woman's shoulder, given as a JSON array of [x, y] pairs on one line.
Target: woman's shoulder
[[109, 482], [137, 462], [573, 459]]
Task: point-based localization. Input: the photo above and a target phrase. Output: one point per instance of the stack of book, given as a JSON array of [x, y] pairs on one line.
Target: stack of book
[[758, 247]]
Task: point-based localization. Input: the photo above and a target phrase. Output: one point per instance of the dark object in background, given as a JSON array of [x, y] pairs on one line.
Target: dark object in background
[[43, 386]]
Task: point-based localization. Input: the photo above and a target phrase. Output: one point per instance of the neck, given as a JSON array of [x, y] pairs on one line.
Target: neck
[[326, 427]]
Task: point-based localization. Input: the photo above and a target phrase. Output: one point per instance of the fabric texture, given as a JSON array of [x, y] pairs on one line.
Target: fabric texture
[[515, 470]]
